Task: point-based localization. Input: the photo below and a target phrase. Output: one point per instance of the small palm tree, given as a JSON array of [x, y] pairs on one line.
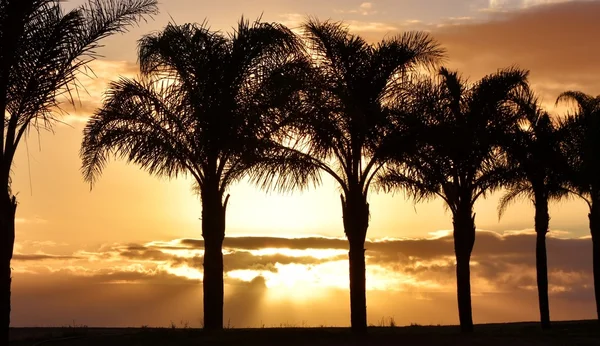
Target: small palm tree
[[43, 49], [538, 171], [461, 127], [581, 145], [206, 105], [345, 117]]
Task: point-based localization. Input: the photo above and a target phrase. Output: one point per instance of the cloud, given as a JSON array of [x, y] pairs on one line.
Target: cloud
[[264, 272], [364, 9], [41, 257], [554, 41], [370, 27], [295, 20], [255, 243], [93, 85], [32, 220], [508, 5], [500, 262]]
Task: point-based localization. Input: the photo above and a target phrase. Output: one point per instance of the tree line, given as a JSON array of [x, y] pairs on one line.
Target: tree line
[[282, 109]]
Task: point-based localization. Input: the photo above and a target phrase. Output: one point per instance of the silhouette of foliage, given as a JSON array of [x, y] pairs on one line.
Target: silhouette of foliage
[[581, 145], [211, 106], [461, 128], [536, 162], [344, 119], [43, 52], [538, 172]]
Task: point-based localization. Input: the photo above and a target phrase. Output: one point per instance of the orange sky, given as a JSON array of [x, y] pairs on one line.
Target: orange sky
[[126, 253]]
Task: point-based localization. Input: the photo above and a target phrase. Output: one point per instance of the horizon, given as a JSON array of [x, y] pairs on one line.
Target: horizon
[[133, 239]]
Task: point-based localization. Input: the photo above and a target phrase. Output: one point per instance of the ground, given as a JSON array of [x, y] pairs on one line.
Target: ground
[[513, 334]]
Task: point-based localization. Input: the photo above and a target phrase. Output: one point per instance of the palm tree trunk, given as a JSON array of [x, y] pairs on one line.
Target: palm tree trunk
[[356, 221], [213, 232], [464, 239], [358, 298], [594, 217], [8, 208], [542, 220]]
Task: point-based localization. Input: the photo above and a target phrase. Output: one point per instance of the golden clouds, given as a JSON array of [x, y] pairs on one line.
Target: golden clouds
[[556, 42], [266, 273]]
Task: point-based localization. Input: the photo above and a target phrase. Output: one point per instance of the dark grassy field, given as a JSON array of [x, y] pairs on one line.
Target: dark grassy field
[[513, 334]]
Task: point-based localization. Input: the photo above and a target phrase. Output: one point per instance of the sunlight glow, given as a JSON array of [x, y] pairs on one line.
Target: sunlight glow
[[185, 271], [185, 253], [300, 281], [439, 234]]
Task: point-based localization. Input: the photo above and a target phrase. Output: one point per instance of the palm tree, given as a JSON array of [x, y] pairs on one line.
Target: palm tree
[[582, 148], [43, 49], [461, 127], [345, 118], [209, 106], [538, 173]]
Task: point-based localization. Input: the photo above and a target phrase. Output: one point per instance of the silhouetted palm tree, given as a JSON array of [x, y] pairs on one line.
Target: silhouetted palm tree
[[207, 105], [582, 148], [346, 118], [43, 49], [461, 128], [538, 171]]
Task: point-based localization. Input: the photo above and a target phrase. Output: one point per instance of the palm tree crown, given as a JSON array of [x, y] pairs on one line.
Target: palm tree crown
[[581, 143], [204, 102], [538, 167], [462, 127], [349, 109], [53, 51]]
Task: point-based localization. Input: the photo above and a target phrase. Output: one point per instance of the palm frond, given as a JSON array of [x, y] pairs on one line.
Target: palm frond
[[581, 100], [398, 179], [142, 125], [50, 53], [579, 142], [284, 169], [514, 193]]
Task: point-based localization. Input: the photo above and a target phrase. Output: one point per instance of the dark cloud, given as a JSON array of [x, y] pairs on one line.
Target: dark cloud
[[41, 257], [246, 260], [235, 260], [144, 253]]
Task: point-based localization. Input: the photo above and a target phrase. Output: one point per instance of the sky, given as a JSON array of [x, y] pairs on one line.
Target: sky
[[129, 251]]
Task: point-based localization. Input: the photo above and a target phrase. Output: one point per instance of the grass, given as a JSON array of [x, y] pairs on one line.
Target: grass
[[510, 334]]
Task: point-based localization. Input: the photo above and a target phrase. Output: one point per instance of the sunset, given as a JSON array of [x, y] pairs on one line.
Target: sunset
[[106, 237]]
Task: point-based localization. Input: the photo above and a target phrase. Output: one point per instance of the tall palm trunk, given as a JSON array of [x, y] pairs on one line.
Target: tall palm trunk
[[355, 211], [464, 240], [213, 232], [594, 217], [8, 207], [542, 220], [13, 26]]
